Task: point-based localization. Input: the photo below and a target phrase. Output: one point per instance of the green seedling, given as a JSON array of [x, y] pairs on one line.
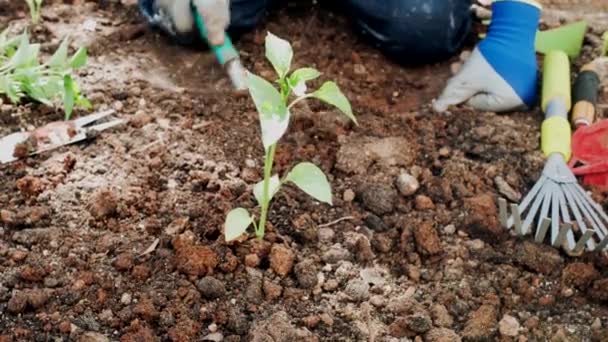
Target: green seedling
[[22, 75], [605, 45], [35, 8], [274, 113]]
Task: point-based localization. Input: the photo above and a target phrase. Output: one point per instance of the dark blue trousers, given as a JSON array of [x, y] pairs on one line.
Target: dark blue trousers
[[408, 31]]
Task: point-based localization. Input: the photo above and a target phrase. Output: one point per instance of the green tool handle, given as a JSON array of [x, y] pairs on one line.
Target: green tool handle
[[225, 52], [556, 134]]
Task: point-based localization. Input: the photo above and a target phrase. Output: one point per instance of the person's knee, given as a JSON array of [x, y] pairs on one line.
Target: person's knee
[[413, 31]]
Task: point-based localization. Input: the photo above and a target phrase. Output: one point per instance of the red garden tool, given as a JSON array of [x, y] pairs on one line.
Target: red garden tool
[[590, 140]]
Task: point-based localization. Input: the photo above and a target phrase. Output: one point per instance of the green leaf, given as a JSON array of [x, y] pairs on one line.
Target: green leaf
[[68, 96], [274, 116], [79, 59], [605, 46], [310, 179], [273, 187], [330, 93], [279, 53], [60, 56], [303, 75], [237, 222]]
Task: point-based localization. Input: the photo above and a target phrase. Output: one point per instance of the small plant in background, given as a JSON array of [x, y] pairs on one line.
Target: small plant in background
[[605, 45], [22, 75], [274, 112], [35, 8]]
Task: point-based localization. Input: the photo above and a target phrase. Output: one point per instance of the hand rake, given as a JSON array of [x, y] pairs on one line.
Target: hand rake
[[558, 209]]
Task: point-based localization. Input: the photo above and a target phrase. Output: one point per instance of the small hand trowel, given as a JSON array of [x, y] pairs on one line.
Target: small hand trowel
[[226, 55]]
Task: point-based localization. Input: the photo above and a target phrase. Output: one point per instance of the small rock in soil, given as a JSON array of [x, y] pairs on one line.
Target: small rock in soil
[[380, 199], [357, 289], [399, 328], [579, 274], [140, 119], [272, 290], [146, 310], [506, 190], [237, 322], [597, 324], [442, 335], [335, 254], [124, 261], [211, 288], [254, 288], [538, 257], [375, 223], [330, 285], [125, 299], [450, 229], [481, 325], [508, 326], [349, 195], [441, 316], [424, 203], [214, 337], [281, 259], [32, 273], [427, 239], [357, 153], [252, 260], [419, 323], [363, 249], [407, 184], [279, 328], [194, 259], [306, 273], [18, 302], [482, 218], [326, 235], [103, 203], [92, 336], [311, 321]]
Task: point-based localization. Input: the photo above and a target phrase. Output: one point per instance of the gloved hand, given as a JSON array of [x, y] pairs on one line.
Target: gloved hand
[[501, 74], [215, 14]]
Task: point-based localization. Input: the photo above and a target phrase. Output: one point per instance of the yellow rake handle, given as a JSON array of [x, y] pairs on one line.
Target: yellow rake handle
[[556, 134]]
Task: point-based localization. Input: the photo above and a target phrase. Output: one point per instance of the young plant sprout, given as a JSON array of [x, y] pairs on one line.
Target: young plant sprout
[[35, 7], [274, 112], [21, 74]]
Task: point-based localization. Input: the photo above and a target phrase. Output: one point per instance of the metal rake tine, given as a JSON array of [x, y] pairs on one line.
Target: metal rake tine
[[578, 215], [528, 198], [566, 215], [503, 215], [592, 207], [563, 231], [544, 211], [580, 245], [541, 232], [555, 207], [602, 245], [590, 215], [515, 215], [534, 209], [598, 208]]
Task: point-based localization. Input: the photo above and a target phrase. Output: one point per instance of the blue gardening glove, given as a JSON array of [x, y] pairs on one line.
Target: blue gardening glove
[[175, 17], [501, 74]]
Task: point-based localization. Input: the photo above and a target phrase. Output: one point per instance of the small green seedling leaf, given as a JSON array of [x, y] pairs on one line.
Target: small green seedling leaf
[[605, 46], [279, 53], [330, 93], [273, 187], [304, 74], [60, 56], [237, 222], [79, 59], [298, 79], [274, 116], [310, 179], [68, 96]]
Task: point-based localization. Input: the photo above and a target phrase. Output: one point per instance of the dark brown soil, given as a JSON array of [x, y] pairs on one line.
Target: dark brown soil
[[120, 238]]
